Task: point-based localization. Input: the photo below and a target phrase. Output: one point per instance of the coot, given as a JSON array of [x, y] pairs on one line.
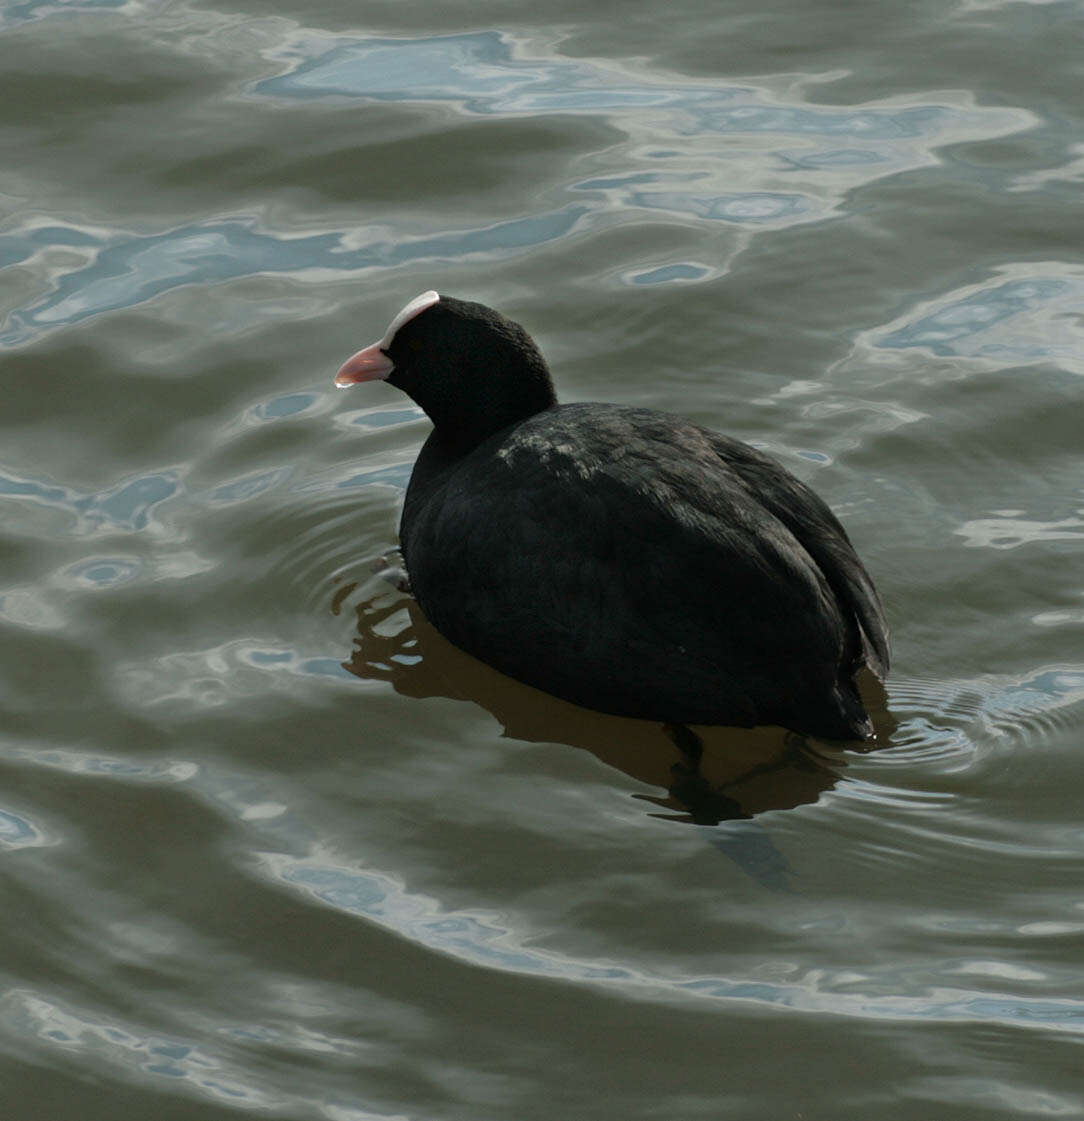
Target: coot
[[618, 557]]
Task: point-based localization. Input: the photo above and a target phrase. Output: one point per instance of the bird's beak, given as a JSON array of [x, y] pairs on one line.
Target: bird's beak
[[370, 364]]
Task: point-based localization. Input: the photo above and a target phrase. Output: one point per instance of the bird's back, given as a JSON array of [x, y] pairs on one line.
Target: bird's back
[[640, 565]]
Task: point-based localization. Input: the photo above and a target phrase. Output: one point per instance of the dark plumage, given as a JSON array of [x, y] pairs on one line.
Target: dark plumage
[[621, 558]]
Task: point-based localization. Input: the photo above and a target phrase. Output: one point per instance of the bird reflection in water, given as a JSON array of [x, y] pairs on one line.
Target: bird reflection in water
[[710, 774]]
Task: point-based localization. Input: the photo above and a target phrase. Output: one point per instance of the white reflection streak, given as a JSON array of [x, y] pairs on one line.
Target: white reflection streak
[[1023, 314], [784, 161], [175, 1059], [1009, 533], [480, 939]]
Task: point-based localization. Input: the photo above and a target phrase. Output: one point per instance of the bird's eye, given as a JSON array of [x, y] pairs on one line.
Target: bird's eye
[[415, 345]]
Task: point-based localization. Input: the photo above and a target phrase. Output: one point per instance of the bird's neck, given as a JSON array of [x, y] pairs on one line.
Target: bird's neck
[[481, 405]]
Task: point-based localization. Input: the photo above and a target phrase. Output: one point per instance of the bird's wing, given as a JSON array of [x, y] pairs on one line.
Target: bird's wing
[[820, 533]]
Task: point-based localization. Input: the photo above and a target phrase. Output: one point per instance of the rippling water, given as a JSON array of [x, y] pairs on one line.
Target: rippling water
[[269, 844]]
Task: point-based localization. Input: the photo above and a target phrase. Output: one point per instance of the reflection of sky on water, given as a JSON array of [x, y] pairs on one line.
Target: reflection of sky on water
[[668, 274], [13, 14], [724, 128], [1025, 314], [129, 505], [247, 487], [132, 504], [205, 1068], [1010, 533], [946, 329], [698, 152], [489, 941], [486, 74], [125, 269], [104, 572], [481, 70], [17, 832], [128, 768]]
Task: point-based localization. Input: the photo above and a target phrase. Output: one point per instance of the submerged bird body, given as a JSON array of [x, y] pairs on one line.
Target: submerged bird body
[[617, 557]]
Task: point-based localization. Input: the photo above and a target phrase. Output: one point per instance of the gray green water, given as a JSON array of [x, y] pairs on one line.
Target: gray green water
[[267, 845]]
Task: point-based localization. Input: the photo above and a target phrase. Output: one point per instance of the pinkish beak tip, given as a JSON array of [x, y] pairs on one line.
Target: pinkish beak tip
[[370, 364]]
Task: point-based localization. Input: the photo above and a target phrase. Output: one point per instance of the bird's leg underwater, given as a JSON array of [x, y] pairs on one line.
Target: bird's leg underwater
[[689, 787], [687, 742]]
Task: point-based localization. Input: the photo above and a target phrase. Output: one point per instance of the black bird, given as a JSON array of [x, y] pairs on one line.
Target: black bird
[[621, 558]]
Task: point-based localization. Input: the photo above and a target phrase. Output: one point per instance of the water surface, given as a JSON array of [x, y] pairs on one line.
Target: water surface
[[269, 845]]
